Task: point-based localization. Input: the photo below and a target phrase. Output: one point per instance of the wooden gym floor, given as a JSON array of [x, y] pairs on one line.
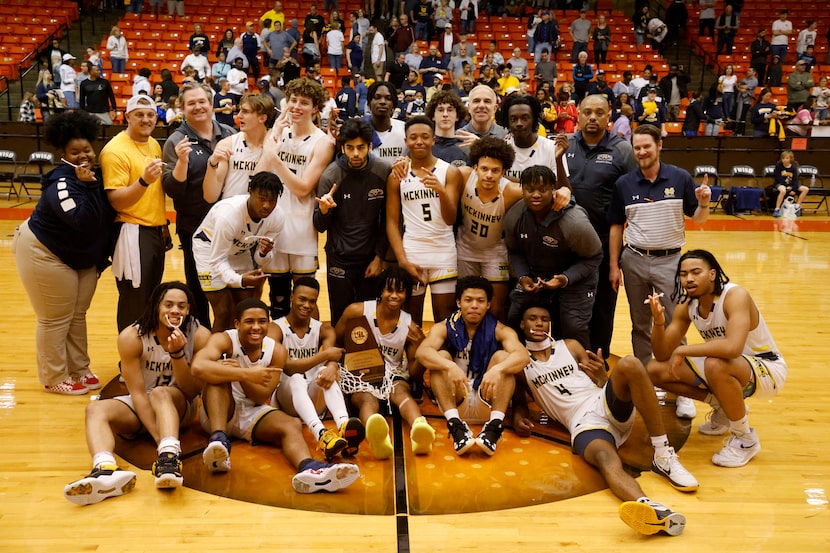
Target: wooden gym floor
[[525, 498]]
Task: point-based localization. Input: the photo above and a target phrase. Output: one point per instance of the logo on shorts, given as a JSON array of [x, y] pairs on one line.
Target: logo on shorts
[[359, 335]]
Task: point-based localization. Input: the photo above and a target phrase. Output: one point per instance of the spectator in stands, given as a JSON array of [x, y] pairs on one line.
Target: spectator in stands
[[675, 87], [54, 59], [238, 79], [728, 81], [567, 114], [443, 16], [625, 86], [68, 80], [822, 95], [657, 32], [117, 47], [602, 40], [694, 115], [781, 31], [354, 55], [175, 7], [714, 110], [94, 57], [403, 36], [640, 20], [759, 51], [807, 37], [532, 21], [288, 66], [802, 123], [141, 82], [600, 88], [799, 84], [224, 104], [775, 71], [169, 87], [275, 15], [135, 6], [548, 115], [786, 182], [743, 103], [250, 48], [546, 35], [582, 74], [638, 83], [545, 70], [580, 31], [27, 108], [97, 97], [276, 41], [808, 57], [764, 116], [751, 80], [292, 29], [422, 15], [200, 39], [378, 52], [221, 68], [397, 71], [677, 17], [346, 98], [706, 24], [650, 111], [622, 126], [335, 39], [447, 40], [225, 43], [198, 62], [518, 64], [83, 75], [458, 62], [48, 95], [469, 13], [727, 27]]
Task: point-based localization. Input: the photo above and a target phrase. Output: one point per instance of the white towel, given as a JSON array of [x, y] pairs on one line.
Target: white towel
[[126, 260]]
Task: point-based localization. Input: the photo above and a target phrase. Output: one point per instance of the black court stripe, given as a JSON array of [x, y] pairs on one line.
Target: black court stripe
[[401, 498]]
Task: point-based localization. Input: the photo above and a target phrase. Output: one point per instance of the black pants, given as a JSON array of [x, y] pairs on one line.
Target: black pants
[[132, 301], [347, 285], [605, 303], [201, 309]]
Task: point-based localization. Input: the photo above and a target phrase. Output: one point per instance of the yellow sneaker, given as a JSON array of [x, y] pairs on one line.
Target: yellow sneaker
[[331, 444], [422, 435], [377, 432]]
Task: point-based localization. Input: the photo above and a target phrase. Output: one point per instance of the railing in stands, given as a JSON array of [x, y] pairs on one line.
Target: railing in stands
[[34, 54], [5, 91]]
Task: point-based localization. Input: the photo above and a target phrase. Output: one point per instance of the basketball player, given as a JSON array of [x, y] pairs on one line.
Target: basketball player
[[486, 197], [426, 202], [738, 358], [570, 383], [396, 335], [235, 158], [310, 385], [241, 369], [298, 152], [389, 139], [155, 353], [473, 359], [223, 246], [351, 210]]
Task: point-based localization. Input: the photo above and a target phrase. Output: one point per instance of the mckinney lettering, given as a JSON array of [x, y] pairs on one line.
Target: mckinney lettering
[[555, 374]]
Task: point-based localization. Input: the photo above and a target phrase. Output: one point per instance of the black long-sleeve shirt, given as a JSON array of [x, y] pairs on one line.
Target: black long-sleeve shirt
[[357, 226], [96, 96]]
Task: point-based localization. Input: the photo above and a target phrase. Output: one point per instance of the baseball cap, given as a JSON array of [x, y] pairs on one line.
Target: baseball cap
[[546, 12], [251, 23], [510, 90], [601, 72], [801, 62], [265, 79], [652, 89], [68, 56], [141, 101]]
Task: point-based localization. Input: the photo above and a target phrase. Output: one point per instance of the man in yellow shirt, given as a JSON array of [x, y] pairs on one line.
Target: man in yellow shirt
[[132, 166], [274, 15]]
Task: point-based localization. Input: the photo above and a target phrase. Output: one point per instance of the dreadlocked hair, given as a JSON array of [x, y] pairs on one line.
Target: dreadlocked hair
[[149, 320], [679, 294]]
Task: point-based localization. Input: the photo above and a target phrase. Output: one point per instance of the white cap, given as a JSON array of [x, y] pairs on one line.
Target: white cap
[[68, 56], [142, 101]]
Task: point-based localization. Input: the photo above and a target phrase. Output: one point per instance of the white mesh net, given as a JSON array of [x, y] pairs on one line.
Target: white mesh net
[[351, 383]]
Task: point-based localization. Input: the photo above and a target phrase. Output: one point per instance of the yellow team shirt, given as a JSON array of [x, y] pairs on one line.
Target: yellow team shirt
[[273, 16], [122, 162]]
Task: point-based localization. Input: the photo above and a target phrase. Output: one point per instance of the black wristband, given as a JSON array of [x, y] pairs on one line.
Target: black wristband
[[143, 182], [212, 166], [173, 354]]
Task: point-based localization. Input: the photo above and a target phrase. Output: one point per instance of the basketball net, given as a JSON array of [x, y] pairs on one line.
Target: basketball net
[[351, 383]]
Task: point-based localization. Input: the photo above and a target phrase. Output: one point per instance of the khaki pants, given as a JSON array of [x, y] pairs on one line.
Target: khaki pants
[[60, 297]]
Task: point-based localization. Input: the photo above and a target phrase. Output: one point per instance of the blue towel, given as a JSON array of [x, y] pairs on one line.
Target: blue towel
[[483, 347]]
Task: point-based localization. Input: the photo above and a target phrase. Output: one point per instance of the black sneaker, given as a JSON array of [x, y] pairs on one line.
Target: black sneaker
[[103, 482], [353, 432], [461, 435], [490, 436], [416, 388], [650, 517], [168, 471]]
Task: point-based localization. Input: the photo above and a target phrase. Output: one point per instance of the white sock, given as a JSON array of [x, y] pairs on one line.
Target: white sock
[[740, 427], [660, 444], [336, 404], [170, 444], [103, 458], [451, 414], [643, 499], [496, 415], [303, 405]]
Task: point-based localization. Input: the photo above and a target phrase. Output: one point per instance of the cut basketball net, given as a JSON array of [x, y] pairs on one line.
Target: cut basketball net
[[351, 383]]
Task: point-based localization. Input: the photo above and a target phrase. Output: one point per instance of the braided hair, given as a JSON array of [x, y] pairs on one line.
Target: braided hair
[[679, 294]]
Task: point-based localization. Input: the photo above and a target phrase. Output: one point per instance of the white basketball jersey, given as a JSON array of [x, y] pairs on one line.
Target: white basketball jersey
[[392, 142], [427, 239], [299, 236], [241, 166], [759, 340], [481, 234], [301, 348], [560, 387], [245, 361], [541, 153], [156, 366], [393, 344]]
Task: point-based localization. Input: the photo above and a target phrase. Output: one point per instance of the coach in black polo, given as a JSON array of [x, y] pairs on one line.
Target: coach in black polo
[[653, 200]]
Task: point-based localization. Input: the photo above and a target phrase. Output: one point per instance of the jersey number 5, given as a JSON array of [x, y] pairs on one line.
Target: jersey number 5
[[427, 212]]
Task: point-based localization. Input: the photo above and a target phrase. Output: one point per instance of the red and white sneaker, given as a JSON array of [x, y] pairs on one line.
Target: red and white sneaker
[[90, 381], [68, 388]]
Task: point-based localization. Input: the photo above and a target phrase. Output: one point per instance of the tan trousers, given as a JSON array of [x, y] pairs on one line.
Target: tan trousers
[[60, 297]]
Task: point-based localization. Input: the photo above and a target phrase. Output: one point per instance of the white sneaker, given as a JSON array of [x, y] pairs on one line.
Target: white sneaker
[[685, 408], [717, 423], [669, 466], [738, 451], [216, 457]]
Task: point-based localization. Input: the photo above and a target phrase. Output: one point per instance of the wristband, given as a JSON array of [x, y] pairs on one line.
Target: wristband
[[212, 166], [143, 182], [173, 354]]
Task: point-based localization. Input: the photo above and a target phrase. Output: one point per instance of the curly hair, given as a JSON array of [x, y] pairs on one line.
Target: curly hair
[[492, 147], [393, 92], [447, 97], [67, 126], [307, 88], [395, 278], [503, 114], [149, 319], [267, 183]]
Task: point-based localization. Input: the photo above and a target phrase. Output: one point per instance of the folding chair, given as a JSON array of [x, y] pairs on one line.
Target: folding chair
[[32, 172], [817, 197], [8, 171]]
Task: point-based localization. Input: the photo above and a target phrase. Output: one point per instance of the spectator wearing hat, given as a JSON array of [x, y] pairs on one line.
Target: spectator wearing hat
[[600, 87], [446, 42], [68, 78], [251, 45], [799, 84], [651, 111]]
